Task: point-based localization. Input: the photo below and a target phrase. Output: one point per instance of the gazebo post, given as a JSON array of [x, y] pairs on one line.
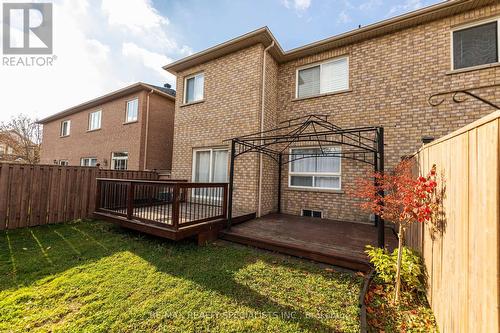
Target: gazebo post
[[280, 160], [380, 167], [231, 181]]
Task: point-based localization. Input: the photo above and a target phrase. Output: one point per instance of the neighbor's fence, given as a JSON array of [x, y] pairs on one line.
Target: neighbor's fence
[[33, 195], [462, 249]]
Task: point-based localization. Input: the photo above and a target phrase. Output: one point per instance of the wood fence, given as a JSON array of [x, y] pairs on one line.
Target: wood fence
[[33, 195], [461, 248]]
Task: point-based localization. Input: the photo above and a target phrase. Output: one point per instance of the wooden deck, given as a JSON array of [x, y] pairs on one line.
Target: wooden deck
[[327, 241]]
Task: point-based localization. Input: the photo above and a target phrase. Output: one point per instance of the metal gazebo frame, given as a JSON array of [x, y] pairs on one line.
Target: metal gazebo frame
[[364, 144]]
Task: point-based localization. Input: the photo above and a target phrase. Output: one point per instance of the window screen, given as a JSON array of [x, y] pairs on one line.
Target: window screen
[[475, 46]]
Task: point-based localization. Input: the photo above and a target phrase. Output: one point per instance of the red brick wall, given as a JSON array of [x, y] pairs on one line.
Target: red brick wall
[[114, 135]]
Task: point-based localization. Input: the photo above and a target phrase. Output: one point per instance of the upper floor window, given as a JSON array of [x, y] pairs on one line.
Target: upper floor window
[[65, 127], [88, 161], [315, 168], [194, 86], [132, 110], [119, 161], [95, 120], [64, 162], [477, 45], [327, 77]]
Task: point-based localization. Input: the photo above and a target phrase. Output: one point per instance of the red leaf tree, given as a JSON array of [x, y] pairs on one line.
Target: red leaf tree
[[407, 199]]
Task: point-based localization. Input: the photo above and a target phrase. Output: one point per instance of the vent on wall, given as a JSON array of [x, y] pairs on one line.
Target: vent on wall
[[312, 213]]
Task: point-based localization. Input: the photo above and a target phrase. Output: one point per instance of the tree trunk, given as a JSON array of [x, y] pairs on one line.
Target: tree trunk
[[398, 266]]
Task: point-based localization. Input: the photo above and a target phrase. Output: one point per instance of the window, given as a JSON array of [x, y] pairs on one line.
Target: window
[[2, 149], [119, 161], [477, 45], [312, 213], [194, 88], [132, 110], [95, 120], [316, 171], [324, 78], [64, 162], [65, 127], [210, 165], [88, 161]]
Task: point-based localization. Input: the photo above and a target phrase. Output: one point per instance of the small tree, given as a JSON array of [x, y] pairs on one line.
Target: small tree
[[407, 199], [24, 135]]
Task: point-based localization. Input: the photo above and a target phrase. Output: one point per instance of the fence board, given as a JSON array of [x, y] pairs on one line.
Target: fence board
[[462, 258], [33, 195]]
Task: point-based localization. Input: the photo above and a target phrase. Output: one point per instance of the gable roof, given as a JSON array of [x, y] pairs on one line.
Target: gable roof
[[165, 92], [264, 36]]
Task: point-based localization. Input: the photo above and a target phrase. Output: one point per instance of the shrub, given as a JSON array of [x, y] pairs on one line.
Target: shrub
[[412, 269]]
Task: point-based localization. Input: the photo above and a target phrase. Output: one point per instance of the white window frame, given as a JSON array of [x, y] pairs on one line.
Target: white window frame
[[210, 172], [89, 159], [184, 98], [320, 64], [127, 121], [99, 112], [472, 25], [113, 159], [68, 121], [315, 174], [63, 162]]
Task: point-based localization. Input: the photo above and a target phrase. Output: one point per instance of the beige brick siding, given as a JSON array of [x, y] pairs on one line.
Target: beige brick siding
[[231, 108], [114, 135], [391, 78]]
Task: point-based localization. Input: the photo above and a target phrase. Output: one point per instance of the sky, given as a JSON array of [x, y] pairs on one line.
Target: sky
[[103, 45]]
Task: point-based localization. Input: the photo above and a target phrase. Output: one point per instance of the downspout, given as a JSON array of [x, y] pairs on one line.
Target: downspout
[[262, 104], [147, 131]]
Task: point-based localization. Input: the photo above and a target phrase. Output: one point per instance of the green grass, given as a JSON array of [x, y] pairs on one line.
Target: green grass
[[95, 277]]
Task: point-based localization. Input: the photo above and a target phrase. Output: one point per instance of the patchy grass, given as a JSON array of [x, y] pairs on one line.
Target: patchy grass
[[413, 313], [94, 276]]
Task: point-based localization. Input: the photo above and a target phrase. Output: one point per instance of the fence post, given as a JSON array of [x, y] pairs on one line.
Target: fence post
[[98, 195], [175, 207], [130, 200], [224, 200]]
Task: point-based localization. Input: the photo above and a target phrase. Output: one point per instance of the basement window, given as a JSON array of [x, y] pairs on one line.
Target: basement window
[[476, 45], [312, 213]]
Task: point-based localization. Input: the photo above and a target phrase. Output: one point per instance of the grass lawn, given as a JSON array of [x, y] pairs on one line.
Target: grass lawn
[[96, 277]]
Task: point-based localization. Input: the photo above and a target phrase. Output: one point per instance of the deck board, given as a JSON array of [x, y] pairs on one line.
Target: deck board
[[334, 242]]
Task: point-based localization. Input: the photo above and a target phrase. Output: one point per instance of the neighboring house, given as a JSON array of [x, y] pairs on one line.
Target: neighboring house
[[378, 75], [15, 148], [131, 128]]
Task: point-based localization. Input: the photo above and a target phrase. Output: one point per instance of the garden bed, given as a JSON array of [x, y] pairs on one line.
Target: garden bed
[[95, 276]]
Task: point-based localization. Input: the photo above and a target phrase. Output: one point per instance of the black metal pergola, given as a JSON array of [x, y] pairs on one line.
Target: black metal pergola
[[362, 144]]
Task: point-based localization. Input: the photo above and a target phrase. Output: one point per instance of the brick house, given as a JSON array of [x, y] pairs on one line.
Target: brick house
[[131, 128], [378, 75]]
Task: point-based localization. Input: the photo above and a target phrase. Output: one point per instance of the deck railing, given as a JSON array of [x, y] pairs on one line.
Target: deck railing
[[172, 204]]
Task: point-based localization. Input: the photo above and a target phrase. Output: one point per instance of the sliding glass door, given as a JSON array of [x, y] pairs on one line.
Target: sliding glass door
[[210, 166]]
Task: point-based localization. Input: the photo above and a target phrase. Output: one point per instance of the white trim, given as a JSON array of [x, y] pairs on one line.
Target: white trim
[[68, 121], [320, 70], [90, 161], [313, 174], [126, 109], [472, 25], [66, 162], [119, 158], [90, 120], [184, 93], [210, 172]]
